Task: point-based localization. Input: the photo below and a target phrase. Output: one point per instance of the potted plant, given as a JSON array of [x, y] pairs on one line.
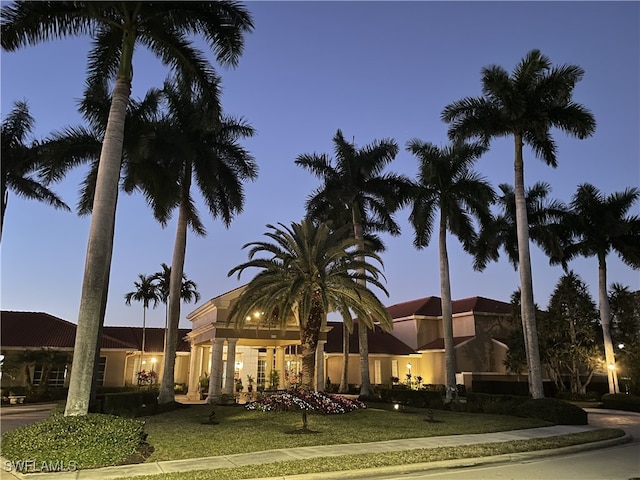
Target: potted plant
[[239, 386], [250, 383]]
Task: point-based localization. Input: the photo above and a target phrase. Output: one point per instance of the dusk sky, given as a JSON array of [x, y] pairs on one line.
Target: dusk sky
[[375, 70]]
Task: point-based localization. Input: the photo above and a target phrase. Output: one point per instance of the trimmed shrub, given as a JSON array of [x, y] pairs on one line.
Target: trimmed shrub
[[497, 404], [621, 401], [552, 410], [306, 401], [85, 441], [128, 404], [413, 398]]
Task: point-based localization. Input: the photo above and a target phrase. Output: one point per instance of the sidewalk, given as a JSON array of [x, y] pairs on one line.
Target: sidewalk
[[292, 454]]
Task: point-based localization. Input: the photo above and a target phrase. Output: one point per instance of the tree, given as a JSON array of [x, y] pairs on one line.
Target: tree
[[543, 214], [625, 314], [21, 161], [598, 225], [146, 292], [447, 184], [194, 143], [188, 291], [568, 332], [310, 269], [166, 28], [356, 184], [526, 106]]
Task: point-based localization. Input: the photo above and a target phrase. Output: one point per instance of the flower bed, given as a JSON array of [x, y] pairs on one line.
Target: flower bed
[[306, 400]]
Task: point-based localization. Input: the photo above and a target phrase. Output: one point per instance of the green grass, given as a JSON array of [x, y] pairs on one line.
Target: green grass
[[180, 434], [355, 462]]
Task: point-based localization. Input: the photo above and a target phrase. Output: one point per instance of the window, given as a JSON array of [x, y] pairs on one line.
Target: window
[[262, 376], [56, 375], [394, 368], [102, 367], [377, 372]]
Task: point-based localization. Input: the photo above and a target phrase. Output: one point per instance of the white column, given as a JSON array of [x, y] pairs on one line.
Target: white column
[[269, 367], [194, 375], [280, 365], [319, 383], [229, 386], [215, 380]]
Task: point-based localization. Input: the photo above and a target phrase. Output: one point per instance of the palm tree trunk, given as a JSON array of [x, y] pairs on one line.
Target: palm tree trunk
[[344, 380], [99, 250], [527, 304], [363, 340], [167, 387], [605, 321], [5, 199], [447, 315]]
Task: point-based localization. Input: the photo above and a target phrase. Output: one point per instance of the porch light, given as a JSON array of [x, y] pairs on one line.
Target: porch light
[[621, 346], [409, 366], [238, 365]]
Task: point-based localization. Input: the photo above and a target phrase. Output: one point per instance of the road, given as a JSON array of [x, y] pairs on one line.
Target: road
[[14, 416], [621, 462]]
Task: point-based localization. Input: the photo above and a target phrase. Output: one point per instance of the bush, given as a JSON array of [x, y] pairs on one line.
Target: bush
[[413, 398], [552, 410], [308, 401], [621, 401], [86, 441], [128, 404], [496, 404]]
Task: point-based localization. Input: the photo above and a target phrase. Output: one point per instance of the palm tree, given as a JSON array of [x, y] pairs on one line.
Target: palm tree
[[447, 183], [543, 214], [310, 269], [166, 28], [356, 184], [524, 105], [188, 291], [194, 143], [601, 224], [20, 161], [146, 292]]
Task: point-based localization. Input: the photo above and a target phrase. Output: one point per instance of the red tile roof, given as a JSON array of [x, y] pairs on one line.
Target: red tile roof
[[38, 329], [380, 342], [432, 307]]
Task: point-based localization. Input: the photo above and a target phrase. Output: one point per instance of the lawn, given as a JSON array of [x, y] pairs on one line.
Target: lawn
[[183, 433]]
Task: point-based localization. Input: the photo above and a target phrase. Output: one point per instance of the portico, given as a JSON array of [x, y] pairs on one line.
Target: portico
[[267, 353]]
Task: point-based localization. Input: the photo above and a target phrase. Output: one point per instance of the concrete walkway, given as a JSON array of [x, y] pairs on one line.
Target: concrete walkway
[[292, 454]]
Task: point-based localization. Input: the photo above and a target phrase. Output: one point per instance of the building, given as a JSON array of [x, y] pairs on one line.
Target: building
[[267, 354]]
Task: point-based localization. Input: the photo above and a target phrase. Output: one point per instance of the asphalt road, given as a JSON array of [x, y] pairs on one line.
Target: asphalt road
[[14, 416]]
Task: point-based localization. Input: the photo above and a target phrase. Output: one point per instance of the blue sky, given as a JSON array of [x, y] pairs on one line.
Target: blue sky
[[372, 69]]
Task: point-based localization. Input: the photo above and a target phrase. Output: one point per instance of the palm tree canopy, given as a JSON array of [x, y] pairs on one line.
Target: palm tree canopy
[[600, 224], [76, 145], [535, 98], [164, 28], [145, 292], [22, 162], [307, 263], [446, 182], [356, 181], [543, 214], [188, 291], [193, 139]]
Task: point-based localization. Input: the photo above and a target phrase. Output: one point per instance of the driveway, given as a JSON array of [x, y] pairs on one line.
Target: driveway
[[14, 416]]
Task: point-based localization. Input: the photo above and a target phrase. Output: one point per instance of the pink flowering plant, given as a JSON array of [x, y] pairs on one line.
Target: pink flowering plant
[[306, 401], [147, 377]]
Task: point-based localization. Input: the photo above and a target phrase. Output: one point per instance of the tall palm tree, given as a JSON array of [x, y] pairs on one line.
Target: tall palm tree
[[188, 291], [309, 270], [166, 28], [601, 224], [20, 161], [357, 184], [146, 292], [447, 183], [194, 143], [526, 106], [544, 215]]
